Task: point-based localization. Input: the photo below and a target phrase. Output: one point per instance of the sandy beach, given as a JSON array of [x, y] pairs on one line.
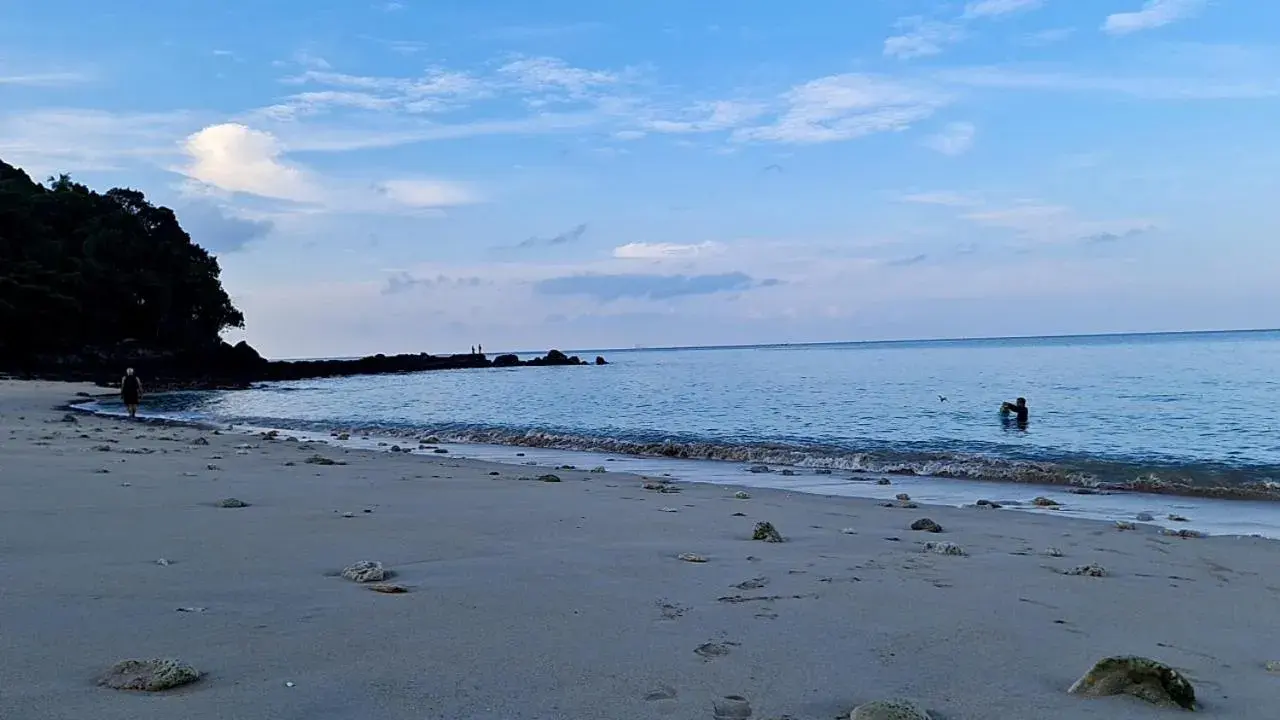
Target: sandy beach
[[530, 599]]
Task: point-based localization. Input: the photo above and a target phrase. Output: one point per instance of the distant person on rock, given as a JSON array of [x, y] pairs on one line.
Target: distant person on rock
[[130, 392], [1018, 408]]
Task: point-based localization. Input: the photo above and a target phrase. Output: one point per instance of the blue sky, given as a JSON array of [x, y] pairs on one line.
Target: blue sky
[[429, 174]]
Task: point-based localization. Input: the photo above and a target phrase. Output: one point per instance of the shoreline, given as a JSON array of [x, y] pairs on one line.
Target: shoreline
[[516, 586]]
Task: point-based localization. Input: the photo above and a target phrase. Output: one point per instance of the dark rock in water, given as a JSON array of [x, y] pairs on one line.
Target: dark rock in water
[[1183, 533], [789, 472], [232, 503], [395, 448], [766, 532], [1141, 677], [1177, 518], [83, 394], [822, 471], [601, 361], [503, 361], [988, 504], [1044, 502], [760, 469], [903, 497], [149, 675], [1144, 517], [731, 707], [926, 525], [550, 478], [440, 451], [884, 481]]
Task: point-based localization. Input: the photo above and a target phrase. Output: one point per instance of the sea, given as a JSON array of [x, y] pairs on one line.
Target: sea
[[1179, 425]]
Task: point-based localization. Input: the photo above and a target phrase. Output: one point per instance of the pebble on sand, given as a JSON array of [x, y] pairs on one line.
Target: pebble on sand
[[149, 675], [365, 571], [944, 548], [1053, 552], [890, 710], [550, 478], [232, 503], [1141, 677], [766, 532], [691, 557], [1090, 570], [742, 495], [926, 525]]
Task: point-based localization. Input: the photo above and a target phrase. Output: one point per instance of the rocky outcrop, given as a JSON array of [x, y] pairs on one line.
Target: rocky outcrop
[[1141, 677]]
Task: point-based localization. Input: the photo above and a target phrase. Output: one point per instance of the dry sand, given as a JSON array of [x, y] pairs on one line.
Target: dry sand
[[566, 600]]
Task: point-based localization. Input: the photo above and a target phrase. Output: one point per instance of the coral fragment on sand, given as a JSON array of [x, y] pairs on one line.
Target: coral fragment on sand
[[1141, 677], [149, 675]]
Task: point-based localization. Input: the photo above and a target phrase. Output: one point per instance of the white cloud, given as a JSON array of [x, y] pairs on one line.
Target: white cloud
[[996, 8], [428, 193], [922, 37], [945, 198], [843, 107], [237, 158], [1206, 87], [48, 79], [1154, 14], [955, 139], [711, 116], [54, 141], [666, 251], [552, 74]]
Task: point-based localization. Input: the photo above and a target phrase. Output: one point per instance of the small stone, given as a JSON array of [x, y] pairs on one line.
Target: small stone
[[495, 473], [1177, 518], [395, 448], [343, 436], [691, 557], [988, 504], [889, 710], [731, 707], [1141, 677], [599, 469], [742, 495], [926, 525], [163, 562], [944, 548], [1044, 502], [365, 571], [738, 514], [232, 503], [567, 467], [192, 609], [903, 497], [348, 514], [388, 588], [668, 509], [550, 478], [1183, 533], [211, 466], [1144, 517], [759, 469], [1053, 552], [884, 481], [849, 531], [1090, 570], [822, 471], [102, 471], [1125, 525], [440, 451], [789, 472], [322, 460], [1273, 666], [712, 650], [288, 683], [766, 532], [149, 675], [70, 418]]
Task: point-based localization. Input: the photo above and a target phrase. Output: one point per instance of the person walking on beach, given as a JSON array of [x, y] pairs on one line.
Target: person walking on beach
[[1018, 408], [130, 392]]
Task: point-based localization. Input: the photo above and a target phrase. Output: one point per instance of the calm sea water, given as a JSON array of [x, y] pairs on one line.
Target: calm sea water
[[1195, 414]]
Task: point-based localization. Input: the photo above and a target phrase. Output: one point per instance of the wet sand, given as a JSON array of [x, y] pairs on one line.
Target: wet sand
[[532, 599]]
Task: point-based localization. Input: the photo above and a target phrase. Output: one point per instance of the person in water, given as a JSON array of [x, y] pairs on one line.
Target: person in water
[[1018, 408], [130, 392]]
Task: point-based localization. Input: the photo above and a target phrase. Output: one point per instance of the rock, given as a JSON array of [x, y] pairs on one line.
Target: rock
[[388, 588], [70, 418], [348, 514], [926, 525], [495, 473], [822, 471], [200, 441], [1044, 502], [944, 548], [322, 460], [850, 531], [343, 436], [731, 707], [365, 571], [1090, 570], [1177, 518], [149, 675], [889, 710], [691, 557], [599, 469], [1141, 677], [440, 451], [163, 562], [766, 532], [211, 466], [742, 495], [789, 472], [884, 481], [902, 497], [668, 509], [759, 469], [1144, 517], [601, 361], [1053, 552], [395, 448], [550, 478], [1125, 525], [1184, 533], [1273, 666], [232, 503], [988, 504], [567, 467]]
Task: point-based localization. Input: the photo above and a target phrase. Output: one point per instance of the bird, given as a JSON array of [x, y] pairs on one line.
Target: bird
[[942, 398]]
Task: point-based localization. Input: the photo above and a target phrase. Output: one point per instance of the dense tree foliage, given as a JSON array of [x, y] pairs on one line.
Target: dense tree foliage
[[83, 269]]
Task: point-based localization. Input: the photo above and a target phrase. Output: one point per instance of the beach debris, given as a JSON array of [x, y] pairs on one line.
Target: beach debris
[[943, 548], [760, 469], [1144, 517], [1045, 502], [668, 509], [365, 571], [1141, 677], [731, 707], [742, 495], [902, 497], [1183, 533], [232, 503], [211, 466], [1090, 570], [149, 675], [850, 531], [549, 478], [926, 525], [192, 609], [1125, 525], [691, 557], [163, 562], [1053, 552], [988, 505], [712, 650], [765, 531], [890, 710], [388, 588], [884, 481], [599, 469], [1174, 517], [754, 583], [1273, 666], [348, 514], [322, 460]]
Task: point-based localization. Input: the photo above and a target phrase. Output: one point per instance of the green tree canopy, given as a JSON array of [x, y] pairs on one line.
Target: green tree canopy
[[85, 269]]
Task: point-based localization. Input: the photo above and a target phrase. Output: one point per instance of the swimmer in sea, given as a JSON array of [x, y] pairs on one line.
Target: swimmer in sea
[[1018, 408]]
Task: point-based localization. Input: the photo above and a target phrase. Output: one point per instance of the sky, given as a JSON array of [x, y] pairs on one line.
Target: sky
[[426, 175]]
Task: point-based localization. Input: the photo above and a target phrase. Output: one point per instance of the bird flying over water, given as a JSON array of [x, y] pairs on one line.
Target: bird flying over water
[[942, 398]]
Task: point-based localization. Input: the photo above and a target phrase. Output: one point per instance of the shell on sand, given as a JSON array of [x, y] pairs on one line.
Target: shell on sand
[[149, 675], [1141, 677]]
